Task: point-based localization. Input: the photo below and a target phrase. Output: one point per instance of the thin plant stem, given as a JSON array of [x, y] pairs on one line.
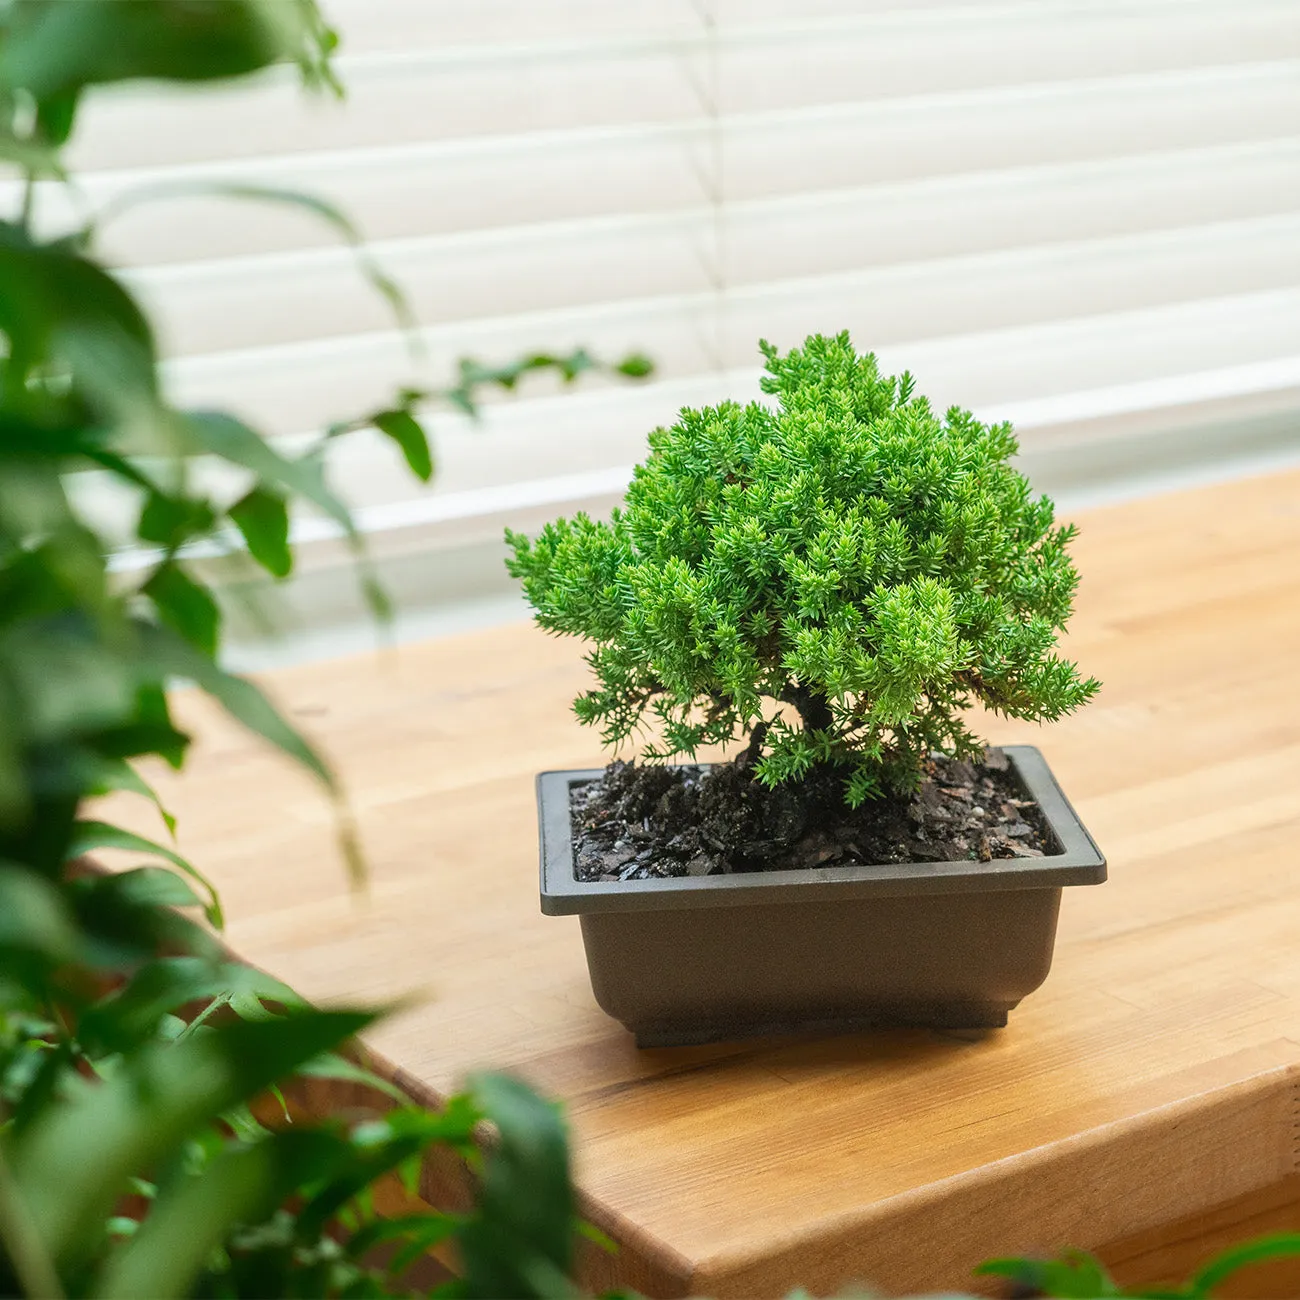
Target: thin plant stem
[[221, 1000], [29, 198]]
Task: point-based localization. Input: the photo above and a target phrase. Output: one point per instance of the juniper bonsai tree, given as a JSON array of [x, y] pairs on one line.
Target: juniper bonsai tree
[[834, 578]]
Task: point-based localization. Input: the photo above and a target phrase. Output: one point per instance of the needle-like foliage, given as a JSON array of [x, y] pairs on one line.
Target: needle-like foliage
[[835, 576]]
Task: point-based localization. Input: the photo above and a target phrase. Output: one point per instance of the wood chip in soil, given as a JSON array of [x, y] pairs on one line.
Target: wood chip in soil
[[642, 823]]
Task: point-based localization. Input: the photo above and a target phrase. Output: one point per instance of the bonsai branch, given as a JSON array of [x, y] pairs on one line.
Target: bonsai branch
[[814, 708], [754, 750]]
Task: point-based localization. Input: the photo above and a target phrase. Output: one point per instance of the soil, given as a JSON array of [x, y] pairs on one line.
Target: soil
[[638, 823]]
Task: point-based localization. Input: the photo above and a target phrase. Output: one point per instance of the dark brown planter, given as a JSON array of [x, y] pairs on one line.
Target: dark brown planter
[[942, 944]]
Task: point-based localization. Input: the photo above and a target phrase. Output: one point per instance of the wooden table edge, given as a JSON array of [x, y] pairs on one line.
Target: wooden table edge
[[1121, 1177]]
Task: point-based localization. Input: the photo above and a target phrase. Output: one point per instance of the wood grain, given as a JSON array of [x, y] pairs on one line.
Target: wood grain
[[1175, 1251], [1152, 1078]]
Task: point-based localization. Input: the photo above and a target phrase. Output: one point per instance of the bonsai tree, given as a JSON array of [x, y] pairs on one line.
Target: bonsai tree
[[833, 578]]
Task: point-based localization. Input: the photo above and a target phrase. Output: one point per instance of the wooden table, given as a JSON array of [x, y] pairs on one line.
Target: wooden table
[[1148, 1095]]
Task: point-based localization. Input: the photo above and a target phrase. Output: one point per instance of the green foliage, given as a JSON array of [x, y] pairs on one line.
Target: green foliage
[[137, 1105], [521, 1243], [845, 553], [54, 50], [1079, 1276], [137, 1065], [85, 660]]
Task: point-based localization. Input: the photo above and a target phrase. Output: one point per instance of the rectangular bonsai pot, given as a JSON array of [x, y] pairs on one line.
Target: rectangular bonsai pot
[[941, 944]]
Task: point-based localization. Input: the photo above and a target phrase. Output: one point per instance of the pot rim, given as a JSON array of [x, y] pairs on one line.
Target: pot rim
[[1079, 863]]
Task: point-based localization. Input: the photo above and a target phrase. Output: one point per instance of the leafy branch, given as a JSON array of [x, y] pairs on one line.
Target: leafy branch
[[149, 1141], [829, 580]]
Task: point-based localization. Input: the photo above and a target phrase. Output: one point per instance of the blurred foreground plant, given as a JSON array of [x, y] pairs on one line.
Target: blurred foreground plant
[[135, 1061], [1076, 1275]]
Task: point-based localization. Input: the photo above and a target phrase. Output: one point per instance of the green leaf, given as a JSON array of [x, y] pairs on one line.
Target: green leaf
[[593, 1234], [146, 736], [128, 916], [454, 1124], [1076, 1276], [185, 606], [223, 435], [238, 696], [66, 679], [71, 1164], [117, 774], [150, 730], [520, 1241], [635, 366], [369, 1160], [246, 1127], [248, 1006], [57, 48], [56, 1061], [33, 916], [570, 367], [55, 115], [474, 375], [92, 835], [333, 1066], [405, 430], [131, 1015], [171, 521], [33, 503], [194, 1217], [231, 439], [174, 1242], [392, 1142], [62, 563], [424, 1230], [59, 305], [154, 887], [377, 599], [37, 159], [262, 517], [1281, 1245], [420, 1239]]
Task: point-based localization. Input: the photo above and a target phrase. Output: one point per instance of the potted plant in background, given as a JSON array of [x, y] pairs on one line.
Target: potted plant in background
[[831, 581]]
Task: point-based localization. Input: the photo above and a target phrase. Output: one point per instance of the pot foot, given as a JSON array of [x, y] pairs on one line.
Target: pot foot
[[946, 1016]]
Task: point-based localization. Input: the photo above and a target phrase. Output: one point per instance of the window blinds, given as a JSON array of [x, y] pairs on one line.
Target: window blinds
[[1082, 215]]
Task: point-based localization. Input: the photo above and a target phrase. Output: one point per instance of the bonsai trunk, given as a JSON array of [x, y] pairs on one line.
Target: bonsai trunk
[[814, 712], [754, 750], [814, 708]]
